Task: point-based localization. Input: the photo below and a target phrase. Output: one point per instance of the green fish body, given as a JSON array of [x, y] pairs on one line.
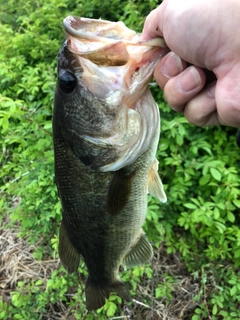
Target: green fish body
[[106, 132]]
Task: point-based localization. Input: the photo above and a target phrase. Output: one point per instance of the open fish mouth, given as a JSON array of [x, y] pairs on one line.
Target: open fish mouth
[[106, 43], [111, 51]]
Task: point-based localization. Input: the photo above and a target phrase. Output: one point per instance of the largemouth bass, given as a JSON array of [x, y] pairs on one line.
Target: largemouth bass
[[106, 132]]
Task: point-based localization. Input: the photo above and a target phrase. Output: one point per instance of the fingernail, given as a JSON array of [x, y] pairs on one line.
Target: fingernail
[[189, 79], [172, 65], [211, 90]]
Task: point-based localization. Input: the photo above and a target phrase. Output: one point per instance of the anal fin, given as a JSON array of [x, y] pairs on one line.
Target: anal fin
[[69, 256], [140, 253], [155, 186]]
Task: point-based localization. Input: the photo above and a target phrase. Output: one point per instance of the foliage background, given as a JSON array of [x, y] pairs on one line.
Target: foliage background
[[195, 273]]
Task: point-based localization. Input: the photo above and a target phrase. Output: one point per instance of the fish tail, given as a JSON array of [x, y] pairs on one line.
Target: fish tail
[[96, 295]]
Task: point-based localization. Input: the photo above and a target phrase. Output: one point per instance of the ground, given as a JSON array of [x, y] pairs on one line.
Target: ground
[[175, 299]]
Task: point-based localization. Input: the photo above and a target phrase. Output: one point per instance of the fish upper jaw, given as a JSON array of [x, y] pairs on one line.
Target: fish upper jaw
[[105, 31], [93, 29]]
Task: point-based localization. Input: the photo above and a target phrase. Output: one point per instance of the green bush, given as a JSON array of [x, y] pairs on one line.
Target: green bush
[[198, 229]]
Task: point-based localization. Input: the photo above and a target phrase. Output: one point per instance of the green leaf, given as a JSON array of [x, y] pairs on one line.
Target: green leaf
[[190, 205], [39, 282], [233, 290], [220, 226], [237, 203], [195, 317], [215, 174], [230, 216], [48, 125], [215, 309], [163, 146], [111, 309], [216, 213], [204, 179]]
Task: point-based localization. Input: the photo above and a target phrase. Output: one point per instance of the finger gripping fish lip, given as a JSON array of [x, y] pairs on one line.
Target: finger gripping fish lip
[[107, 32]]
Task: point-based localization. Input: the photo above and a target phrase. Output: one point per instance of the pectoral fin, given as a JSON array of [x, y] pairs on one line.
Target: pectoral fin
[[69, 256], [119, 191], [140, 253], [155, 186]]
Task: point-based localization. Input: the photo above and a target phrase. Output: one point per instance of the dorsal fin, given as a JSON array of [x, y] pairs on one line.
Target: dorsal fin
[[155, 186]]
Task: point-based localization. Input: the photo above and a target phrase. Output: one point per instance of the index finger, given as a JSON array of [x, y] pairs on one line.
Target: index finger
[[152, 25]]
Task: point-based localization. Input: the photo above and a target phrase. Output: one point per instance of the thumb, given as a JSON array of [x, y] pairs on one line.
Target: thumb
[[227, 96]]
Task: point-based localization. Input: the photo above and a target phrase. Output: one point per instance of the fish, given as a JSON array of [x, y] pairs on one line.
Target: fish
[[106, 128]]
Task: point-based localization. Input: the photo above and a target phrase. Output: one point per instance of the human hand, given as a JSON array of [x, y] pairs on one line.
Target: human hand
[[201, 74]]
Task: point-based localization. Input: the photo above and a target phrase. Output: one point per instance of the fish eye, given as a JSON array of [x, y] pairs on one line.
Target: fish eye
[[67, 82]]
